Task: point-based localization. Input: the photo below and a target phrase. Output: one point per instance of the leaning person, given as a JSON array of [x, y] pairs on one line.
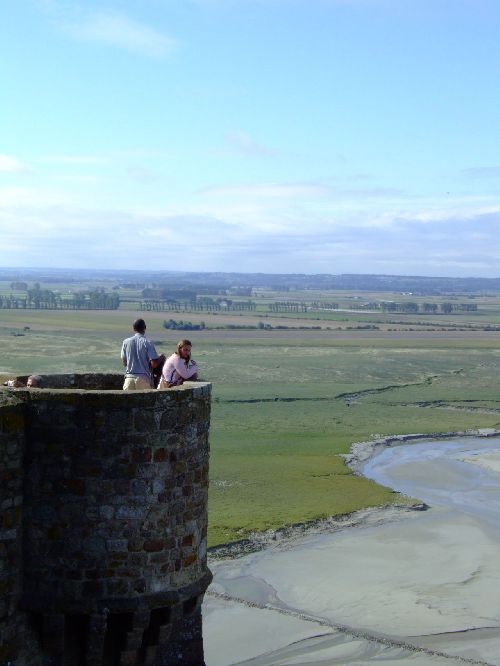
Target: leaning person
[[13, 383], [179, 366], [139, 356], [34, 381]]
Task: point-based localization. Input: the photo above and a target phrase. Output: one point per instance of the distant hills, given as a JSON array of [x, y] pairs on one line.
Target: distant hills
[[212, 282]]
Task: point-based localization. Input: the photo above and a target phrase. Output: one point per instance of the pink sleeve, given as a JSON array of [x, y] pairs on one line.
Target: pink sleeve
[[184, 372], [167, 369]]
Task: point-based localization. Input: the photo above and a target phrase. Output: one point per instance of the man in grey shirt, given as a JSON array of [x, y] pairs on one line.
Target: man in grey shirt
[[139, 356]]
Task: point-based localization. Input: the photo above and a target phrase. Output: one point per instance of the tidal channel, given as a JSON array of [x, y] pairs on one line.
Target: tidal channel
[[391, 587]]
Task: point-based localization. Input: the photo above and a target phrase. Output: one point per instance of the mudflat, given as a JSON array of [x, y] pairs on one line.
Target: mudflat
[[418, 587]]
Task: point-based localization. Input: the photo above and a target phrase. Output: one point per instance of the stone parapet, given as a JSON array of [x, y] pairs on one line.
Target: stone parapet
[[106, 506], [12, 440]]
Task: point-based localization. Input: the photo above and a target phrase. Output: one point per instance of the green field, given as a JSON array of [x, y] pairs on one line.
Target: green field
[[287, 403]]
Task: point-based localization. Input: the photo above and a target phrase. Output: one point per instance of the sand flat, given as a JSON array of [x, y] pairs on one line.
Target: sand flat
[[429, 582], [490, 461]]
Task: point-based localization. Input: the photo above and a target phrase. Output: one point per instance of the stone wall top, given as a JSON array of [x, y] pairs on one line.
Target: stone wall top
[[103, 534], [95, 382]]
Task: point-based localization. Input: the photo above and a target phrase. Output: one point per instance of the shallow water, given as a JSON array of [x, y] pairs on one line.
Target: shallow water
[[422, 587], [462, 474]]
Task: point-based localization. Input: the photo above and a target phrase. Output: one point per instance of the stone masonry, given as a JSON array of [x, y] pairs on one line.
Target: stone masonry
[[103, 500]]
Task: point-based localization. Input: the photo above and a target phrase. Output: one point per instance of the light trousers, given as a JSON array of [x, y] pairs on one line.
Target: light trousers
[[136, 383]]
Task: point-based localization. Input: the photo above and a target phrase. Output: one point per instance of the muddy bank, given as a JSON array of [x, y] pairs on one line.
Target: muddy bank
[[369, 517]]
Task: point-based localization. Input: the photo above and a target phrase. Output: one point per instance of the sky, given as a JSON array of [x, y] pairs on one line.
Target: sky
[[274, 136]]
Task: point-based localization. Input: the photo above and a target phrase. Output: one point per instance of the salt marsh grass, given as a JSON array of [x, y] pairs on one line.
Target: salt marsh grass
[[285, 406]]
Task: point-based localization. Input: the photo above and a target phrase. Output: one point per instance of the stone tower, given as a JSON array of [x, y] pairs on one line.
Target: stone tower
[[104, 522]]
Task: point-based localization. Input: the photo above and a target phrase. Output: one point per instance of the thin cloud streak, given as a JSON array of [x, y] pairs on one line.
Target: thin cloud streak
[[482, 172], [121, 32], [36, 198], [78, 160], [300, 190], [12, 164], [276, 190], [240, 142]]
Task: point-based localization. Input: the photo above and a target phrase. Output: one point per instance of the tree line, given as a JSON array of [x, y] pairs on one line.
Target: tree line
[[428, 308], [45, 299], [173, 325], [200, 304]]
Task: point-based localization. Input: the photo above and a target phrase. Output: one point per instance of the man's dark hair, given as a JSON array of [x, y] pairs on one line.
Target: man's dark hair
[[139, 325]]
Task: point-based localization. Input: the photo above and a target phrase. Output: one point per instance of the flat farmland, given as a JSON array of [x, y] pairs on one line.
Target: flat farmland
[[287, 403]]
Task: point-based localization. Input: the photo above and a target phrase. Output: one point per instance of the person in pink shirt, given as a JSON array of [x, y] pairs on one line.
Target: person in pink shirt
[[179, 366]]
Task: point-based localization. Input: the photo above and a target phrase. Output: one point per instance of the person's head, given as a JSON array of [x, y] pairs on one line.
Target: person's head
[[34, 381], [139, 326], [184, 349]]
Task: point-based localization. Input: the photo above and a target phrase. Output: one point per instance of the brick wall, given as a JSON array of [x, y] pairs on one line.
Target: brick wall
[[114, 489], [15, 635]]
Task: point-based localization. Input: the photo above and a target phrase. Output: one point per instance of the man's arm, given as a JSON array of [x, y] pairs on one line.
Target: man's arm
[[155, 362], [123, 355], [154, 358]]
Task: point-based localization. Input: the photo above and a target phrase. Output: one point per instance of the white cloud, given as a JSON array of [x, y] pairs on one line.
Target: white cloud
[[285, 227], [142, 174], [269, 191], [122, 32], [304, 190], [77, 160], [482, 172], [12, 164], [38, 198], [237, 4], [240, 142], [460, 210]]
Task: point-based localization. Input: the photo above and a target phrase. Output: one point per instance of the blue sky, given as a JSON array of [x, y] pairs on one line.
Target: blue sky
[[285, 136]]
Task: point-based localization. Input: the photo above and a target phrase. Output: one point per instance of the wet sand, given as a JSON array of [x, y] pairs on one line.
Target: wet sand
[[403, 587]]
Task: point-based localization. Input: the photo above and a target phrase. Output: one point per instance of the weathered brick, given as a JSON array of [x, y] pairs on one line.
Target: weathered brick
[[135, 544], [92, 589], [110, 505], [12, 421], [116, 545], [153, 546], [160, 455]]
